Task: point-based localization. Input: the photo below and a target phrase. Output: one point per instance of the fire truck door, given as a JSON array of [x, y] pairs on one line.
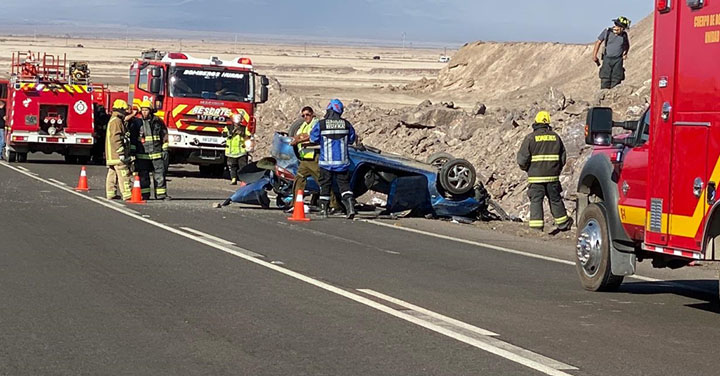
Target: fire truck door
[[688, 183]]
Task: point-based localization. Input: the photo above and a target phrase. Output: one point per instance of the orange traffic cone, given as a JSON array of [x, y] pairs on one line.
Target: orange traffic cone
[[136, 197], [82, 182], [299, 210]]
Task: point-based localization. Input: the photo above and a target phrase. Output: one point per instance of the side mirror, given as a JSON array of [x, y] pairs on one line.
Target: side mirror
[[262, 97], [598, 128], [156, 72], [155, 85]]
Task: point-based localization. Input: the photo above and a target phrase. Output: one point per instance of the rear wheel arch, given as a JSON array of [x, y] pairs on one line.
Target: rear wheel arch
[[711, 233]]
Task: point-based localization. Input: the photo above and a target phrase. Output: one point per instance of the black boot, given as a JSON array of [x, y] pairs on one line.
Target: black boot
[[349, 202], [324, 208]]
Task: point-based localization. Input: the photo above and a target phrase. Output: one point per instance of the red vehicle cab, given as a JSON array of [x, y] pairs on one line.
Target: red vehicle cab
[[197, 98], [651, 194], [48, 110]]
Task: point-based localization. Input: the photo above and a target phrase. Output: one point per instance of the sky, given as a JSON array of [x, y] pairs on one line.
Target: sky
[[439, 21]]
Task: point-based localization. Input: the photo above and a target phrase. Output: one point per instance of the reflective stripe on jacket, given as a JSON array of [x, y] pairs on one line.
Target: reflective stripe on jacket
[[115, 140], [333, 134], [305, 152], [235, 140], [542, 155], [150, 138]]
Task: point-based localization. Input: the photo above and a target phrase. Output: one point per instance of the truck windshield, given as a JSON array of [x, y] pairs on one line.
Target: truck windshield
[[210, 83]]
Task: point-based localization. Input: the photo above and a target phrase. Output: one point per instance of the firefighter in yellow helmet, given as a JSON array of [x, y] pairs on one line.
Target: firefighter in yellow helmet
[[150, 138], [117, 153], [542, 156], [238, 142]]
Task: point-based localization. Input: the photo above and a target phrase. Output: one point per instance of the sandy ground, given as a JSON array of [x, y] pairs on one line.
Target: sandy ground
[[345, 72]]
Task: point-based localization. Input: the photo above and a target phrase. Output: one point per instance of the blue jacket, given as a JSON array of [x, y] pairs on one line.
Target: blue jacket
[[333, 134]]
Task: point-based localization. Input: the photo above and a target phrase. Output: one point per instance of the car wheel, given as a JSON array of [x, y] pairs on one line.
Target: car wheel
[[295, 126], [22, 157], [439, 159], [593, 255], [457, 177]]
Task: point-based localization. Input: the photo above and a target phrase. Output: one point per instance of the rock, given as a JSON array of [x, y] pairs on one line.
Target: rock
[[425, 103], [430, 117], [576, 109], [479, 109], [450, 104]]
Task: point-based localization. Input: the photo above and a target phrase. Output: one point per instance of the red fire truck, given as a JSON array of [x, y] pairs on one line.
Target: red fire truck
[[650, 192], [196, 98], [49, 108]]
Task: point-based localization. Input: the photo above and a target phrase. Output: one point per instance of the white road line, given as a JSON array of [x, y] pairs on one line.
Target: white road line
[[477, 333], [325, 286], [215, 238], [470, 242], [436, 315], [23, 168], [517, 252], [55, 181]]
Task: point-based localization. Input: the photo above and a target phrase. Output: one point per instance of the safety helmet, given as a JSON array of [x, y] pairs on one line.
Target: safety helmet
[[146, 104], [336, 106], [120, 104], [623, 22], [237, 119], [543, 117]]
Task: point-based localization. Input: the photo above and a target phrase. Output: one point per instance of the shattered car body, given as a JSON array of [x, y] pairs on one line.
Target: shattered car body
[[410, 185]]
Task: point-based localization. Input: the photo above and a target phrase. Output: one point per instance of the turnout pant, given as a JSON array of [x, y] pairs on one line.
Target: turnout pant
[[118, 180], [306, 169], [612, 72], [236, 164], [537, 193], [157, 167], [342, 178]]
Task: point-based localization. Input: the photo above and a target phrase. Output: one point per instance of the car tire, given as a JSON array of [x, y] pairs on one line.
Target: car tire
[[593, 257], [295, 126], [439, 159], [457, 177]]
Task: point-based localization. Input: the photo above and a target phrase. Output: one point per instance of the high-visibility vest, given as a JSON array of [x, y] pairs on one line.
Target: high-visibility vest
[[305, 152], [235, 141]]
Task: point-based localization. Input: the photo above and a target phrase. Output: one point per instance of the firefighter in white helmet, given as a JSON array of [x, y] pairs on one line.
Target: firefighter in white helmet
[[117, 153], [150, 138]]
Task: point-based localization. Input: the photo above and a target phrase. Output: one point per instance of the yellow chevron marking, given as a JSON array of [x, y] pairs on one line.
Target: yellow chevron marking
[[178, 110]]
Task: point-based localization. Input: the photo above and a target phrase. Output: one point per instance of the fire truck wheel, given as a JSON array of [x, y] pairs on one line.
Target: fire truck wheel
[[22, 157], [10, 155], [592, 260], [83, 160], [70, 159]]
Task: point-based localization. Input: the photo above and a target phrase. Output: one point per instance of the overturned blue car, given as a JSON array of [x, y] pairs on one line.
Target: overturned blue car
[[442, 187]]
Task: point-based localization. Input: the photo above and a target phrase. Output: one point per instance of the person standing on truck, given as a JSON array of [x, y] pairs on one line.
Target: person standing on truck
[[236, 154], [617, 46], [117, 153], [334, 134], [309, 156], [2, 129], [150, 137], [542, 156]]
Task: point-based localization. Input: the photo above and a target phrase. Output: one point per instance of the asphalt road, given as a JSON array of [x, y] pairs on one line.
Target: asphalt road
[[179, 287]]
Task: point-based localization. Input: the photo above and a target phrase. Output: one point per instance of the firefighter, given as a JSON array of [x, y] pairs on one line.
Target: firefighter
[[617, 46], [117, 153], [236, 134], [308, 157], [542, 156], [150, 137], [334, 134]]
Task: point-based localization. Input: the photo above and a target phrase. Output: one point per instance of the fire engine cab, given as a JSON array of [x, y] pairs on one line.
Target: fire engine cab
[[649, 192], [197, 98], [49, 108]]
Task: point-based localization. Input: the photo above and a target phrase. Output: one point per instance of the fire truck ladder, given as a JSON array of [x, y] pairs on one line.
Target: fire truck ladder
[[31, 66]]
